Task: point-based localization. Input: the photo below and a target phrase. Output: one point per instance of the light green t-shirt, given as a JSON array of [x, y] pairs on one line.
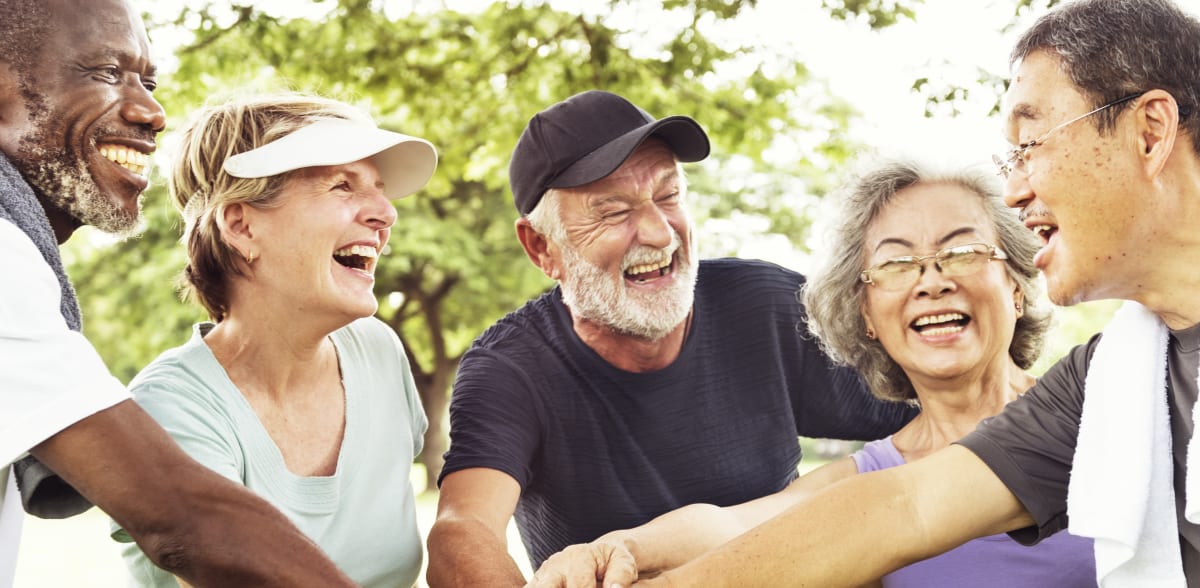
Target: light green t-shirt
[[364, 515]]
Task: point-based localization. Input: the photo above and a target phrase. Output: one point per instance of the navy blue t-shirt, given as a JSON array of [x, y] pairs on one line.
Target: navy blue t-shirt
[[596, 448]]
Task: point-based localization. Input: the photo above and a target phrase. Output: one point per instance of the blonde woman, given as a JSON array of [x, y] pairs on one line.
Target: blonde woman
[[293, 389]]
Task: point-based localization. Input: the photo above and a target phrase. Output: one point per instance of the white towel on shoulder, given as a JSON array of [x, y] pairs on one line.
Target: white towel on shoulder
[[1120, 492]]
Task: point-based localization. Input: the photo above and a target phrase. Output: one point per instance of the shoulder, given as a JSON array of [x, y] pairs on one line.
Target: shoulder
[[21, 262], [14, 241], [370, 333], [740, 276], [876, 455], [533, 325], [180, 371], [1068, 374]]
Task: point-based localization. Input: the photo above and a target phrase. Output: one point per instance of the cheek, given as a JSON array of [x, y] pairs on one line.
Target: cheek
[[879, 310]]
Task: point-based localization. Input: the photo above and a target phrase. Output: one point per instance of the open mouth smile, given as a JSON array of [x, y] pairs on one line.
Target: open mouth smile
[[127, 157], [643, 272], [935, 325], [358, 257], [1044, 231]]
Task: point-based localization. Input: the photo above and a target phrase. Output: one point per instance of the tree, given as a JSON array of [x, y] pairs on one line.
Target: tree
[[468, 81]]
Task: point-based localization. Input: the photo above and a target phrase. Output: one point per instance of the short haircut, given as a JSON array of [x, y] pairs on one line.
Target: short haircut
[[1113, 48], [202, 190], [834, 294], [24, 28]]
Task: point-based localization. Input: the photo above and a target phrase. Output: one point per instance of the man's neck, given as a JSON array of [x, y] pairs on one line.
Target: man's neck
[[629, 353], [63, 224]]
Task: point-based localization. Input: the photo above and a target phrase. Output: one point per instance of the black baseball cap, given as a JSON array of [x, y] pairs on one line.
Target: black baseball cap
[[588, 136]]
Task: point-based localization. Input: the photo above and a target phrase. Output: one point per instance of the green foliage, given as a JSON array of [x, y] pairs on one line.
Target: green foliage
[[131, 309], [946, 98], [1073, 326], [876, 13]]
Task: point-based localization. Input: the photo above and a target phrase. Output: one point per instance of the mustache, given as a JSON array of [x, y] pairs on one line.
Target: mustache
[[135, 134], [644, 254], [1037, 210]]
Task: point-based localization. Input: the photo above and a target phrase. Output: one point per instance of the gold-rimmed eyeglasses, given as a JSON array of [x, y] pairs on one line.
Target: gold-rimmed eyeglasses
[[901, 273], [1016, 157]]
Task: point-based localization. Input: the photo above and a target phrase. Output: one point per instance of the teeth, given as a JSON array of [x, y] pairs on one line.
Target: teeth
[[359, 250], [937, 331], [1041, 229], [939, 318], [648, 267], [130, 159]]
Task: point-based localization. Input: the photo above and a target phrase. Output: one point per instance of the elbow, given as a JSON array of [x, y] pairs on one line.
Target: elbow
[[167, 551]]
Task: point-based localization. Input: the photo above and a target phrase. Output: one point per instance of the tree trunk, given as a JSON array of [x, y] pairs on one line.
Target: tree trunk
[[435, 395]]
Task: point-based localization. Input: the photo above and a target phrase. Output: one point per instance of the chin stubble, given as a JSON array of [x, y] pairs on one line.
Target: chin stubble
[[62, 179]]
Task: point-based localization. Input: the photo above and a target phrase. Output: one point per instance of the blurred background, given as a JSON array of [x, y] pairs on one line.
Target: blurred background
[[791, 92]]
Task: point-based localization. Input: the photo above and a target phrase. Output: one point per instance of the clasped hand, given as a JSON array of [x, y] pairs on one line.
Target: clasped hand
[[587, 565]]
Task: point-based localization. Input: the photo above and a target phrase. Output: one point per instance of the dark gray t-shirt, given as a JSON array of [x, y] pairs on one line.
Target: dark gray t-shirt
[[1030, 445]]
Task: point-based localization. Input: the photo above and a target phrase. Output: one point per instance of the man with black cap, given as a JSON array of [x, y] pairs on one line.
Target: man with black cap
[[647, 379]]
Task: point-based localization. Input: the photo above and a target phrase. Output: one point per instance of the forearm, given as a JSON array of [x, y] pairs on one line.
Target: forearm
[[677, 536], [237, 539], [800, 548], [465, 553], [187, 519], [864, 527]]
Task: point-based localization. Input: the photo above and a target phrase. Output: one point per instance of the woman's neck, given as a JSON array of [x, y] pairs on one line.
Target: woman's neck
[[951, 409]]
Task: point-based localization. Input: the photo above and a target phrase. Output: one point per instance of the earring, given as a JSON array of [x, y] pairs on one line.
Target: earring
[[250, 258], [870, 333], [1020, 307]]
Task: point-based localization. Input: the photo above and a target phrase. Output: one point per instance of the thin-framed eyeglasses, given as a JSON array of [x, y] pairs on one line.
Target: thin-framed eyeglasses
[[1016, 156], [901, 273]]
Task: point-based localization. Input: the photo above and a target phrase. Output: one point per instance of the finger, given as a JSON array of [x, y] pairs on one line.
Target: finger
[[619, 569]]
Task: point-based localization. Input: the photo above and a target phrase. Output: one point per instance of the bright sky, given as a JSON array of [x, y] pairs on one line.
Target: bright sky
[[948, 42]]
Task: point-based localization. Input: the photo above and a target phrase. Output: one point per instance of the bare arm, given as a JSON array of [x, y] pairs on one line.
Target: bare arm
[[864, 527], [186, 518], [674, 538], [468, 544]]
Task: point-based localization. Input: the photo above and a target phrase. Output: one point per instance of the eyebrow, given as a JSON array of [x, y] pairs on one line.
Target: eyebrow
[[124, 57], [1024, 111], [664, 177], [945, 239]]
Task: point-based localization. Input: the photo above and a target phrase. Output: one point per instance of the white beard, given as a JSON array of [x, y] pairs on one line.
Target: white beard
[[593, 294]]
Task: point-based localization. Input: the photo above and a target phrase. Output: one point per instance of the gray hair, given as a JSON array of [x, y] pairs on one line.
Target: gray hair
[[546, 217], [834, 294], [1113, 48]]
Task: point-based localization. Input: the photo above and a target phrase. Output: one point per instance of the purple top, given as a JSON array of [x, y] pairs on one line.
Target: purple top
[[1061, 561]]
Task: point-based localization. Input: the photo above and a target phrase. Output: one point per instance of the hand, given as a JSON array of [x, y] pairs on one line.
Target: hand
[[587, 565]]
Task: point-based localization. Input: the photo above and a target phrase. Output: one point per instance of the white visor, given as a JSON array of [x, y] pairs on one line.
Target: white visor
[[405, 163]]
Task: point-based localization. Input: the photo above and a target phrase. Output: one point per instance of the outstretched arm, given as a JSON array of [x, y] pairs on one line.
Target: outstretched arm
[[189, 520], [864, 527], [674, 538], [468, 544]]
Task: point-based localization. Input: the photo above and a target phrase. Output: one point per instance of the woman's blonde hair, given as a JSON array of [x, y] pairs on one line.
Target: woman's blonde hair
[[201, 189]]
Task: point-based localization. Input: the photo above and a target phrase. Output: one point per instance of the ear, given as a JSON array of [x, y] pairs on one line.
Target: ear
[[237, 230], [538, 248], [1158, 126], [870, 325]]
